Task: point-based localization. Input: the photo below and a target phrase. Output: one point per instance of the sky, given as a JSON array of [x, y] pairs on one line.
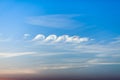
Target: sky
[[59, 37]]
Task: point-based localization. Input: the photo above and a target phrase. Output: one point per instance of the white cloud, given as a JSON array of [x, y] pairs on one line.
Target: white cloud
[[26, 36], [50, 38], [39, 37], [59, 39], [7, 55], [55, 21], [63, 38]]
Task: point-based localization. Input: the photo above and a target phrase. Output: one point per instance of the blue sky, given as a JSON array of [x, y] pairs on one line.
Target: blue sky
[[42, 36]]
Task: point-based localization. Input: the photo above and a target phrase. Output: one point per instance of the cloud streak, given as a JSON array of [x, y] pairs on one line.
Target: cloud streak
[[17, 71], [9, 55], [55, 21]]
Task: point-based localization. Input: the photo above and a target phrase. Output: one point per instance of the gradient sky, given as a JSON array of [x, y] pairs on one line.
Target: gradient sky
[[59, 37]]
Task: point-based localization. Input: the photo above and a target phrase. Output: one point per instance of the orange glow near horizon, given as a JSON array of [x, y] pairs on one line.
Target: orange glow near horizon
[[12, 72]]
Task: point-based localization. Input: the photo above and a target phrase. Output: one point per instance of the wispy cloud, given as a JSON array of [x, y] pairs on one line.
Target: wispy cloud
[[26, 36], [97, 61], [17, 71], [55, 21], [62, 66], [8, 55], [54, 52]]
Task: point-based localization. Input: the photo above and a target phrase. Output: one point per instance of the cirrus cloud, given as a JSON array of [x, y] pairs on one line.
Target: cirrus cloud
[[55, 21], [8, 55]]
